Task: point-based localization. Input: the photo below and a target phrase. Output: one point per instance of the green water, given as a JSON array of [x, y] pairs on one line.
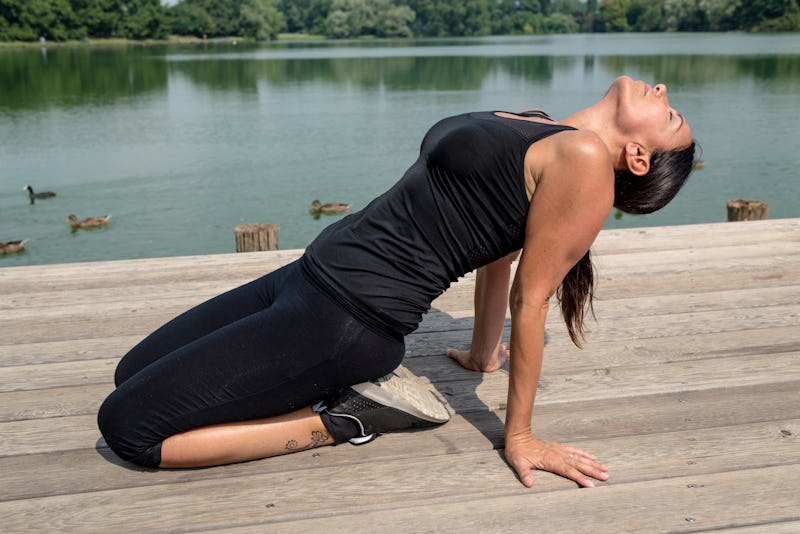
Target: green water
[[181, 144]]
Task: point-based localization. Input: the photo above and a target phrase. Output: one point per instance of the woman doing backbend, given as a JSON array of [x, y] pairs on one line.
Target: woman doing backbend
[[307, 355]]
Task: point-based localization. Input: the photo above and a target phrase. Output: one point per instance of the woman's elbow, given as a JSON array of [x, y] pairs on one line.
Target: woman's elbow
[[520, 303]]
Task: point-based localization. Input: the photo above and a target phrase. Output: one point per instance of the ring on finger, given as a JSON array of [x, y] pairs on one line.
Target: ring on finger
[[571, 456]]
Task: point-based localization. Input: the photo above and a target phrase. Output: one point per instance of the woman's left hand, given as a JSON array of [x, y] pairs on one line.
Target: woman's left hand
[[526, 452], [487, 363]]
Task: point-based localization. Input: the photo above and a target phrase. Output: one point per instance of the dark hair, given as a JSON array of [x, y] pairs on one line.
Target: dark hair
[[645, 194], [632, 194]]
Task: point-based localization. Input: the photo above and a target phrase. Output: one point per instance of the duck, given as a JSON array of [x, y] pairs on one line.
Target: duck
[[42, 194], [88, 222], [318, 207], [10, 247]]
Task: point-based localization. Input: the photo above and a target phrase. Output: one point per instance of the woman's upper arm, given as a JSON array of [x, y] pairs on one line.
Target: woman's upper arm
[[572, 200]]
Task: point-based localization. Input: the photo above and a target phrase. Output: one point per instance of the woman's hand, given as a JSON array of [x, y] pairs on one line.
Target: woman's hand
[[483, 363], [526, 452]]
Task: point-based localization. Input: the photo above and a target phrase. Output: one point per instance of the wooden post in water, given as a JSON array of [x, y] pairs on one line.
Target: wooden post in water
[[740, 209], [253, 237]]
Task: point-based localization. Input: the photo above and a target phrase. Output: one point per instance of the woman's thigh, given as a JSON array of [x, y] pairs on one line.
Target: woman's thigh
[[297, 351], [203, 319]]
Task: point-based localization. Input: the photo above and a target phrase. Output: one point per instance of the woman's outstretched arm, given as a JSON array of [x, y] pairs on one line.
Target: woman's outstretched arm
[[487, 351], [572, 200]]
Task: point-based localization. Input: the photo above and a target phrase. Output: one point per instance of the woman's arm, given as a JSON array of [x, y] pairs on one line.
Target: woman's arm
[[572, 200], [487, 353]]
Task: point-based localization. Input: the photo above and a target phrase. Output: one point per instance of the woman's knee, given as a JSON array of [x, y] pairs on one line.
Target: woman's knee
[[124, 435]]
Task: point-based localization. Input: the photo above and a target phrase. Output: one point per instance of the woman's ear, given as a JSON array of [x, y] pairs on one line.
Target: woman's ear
[[637, 158]]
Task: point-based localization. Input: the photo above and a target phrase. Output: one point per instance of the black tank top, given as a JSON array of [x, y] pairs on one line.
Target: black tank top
[[461, 205]]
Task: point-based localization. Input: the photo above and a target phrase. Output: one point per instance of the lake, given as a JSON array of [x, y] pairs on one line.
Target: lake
[[182, 143]]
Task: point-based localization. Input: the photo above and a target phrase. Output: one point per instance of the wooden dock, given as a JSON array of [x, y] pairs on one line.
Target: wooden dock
[[688, 387]]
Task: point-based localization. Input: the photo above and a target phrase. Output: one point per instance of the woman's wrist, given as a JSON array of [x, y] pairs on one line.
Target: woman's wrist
[[492, 359]]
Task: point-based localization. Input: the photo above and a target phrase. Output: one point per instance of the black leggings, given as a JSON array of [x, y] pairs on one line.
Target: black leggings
[[266, 348]]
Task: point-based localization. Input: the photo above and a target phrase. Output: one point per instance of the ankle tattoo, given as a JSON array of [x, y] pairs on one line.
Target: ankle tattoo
[[317, 438]]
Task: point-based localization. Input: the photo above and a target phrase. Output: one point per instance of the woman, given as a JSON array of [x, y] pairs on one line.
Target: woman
[[292, 360]]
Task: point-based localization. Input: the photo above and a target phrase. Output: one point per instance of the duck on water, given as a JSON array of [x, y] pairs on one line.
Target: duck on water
[[33, 196]]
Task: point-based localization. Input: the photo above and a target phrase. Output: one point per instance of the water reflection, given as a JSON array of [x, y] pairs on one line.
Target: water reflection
[[78, 76], [699, 70], [66, 77]]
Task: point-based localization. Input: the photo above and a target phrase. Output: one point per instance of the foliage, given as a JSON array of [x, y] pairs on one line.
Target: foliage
[[59, 20], [259, 20]]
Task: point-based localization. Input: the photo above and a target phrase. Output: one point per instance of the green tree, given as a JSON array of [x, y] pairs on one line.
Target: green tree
[[305, 16], [685, 15], [396, 22], [561, 23], [145, 19], [516, 16], [442, 18], [260, 20], [612, 16], [753, 12], [351, 18], [188, 19], [28, 20], [789, 21], [646, 15], [102, 18], [721, 14]]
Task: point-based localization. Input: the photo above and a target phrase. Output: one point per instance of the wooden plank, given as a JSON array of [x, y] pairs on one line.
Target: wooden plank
[[768, 527], [682, 504], [170, 303], [426, 353], [433, 343], [637, 327], [691, 258], [36, 352], [625, 240], [207, 265], [564, 358], [469, 391], [63, 452], [53, 402], [50, 375], [125, 286], [489, 393], [695, 458], [19, 282], [68, 328]]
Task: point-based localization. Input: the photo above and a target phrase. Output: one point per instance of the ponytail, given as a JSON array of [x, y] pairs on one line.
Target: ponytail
[[575, 296], [632, 194]]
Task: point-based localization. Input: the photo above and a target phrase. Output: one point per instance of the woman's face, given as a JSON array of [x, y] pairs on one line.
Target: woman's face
[[645, 116]]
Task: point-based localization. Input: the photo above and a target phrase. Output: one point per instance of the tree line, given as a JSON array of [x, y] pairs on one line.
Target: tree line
[[61, 20]]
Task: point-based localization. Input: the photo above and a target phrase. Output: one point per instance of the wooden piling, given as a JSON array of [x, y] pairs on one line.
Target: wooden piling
[[254, 237], [740, 209]]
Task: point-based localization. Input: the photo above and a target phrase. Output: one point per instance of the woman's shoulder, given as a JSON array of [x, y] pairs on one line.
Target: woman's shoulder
[[584, 144], [574, 150]]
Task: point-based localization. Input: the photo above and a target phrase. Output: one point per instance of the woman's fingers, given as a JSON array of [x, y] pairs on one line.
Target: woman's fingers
[[474, 363], [582, 467], [523, 470], [570, 462], [462, 357]]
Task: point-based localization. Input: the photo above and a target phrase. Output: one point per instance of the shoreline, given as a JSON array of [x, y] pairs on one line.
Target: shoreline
[[171, 40]]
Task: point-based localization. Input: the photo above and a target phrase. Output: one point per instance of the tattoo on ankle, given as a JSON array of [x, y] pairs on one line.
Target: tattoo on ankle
[[317, 438]]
